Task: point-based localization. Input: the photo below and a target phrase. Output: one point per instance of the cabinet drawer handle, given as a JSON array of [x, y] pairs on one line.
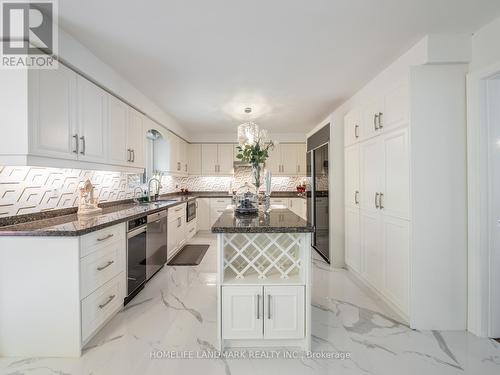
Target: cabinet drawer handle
[[111, 298], [380, 126], [75, 137], [356, 131], [106, 266], [258, 306], [178, 209], [129, 157], [83, 145], [105, 237], [268, 306], [356, 197], [376, 200], [133, 156], [380, 201]]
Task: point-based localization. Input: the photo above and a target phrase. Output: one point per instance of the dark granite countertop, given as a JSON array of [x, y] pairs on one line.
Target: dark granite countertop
[[72, 225], [65, 222], [276, 221]]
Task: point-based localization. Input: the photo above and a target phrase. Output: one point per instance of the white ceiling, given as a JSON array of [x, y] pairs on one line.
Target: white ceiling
[[293, 61]]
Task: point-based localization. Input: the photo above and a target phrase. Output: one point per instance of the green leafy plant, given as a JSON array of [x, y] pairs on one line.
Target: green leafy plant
[[255, 154]]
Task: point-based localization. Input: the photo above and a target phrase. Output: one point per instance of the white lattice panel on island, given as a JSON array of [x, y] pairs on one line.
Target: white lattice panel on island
[[262, 255]]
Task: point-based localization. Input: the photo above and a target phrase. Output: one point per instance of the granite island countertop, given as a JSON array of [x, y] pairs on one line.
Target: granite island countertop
[[276, 221]]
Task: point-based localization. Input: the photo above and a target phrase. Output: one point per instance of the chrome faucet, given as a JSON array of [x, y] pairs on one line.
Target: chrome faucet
[[158, 187]]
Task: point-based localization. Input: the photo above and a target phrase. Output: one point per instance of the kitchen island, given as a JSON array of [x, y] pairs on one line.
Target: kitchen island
[[263, 280]]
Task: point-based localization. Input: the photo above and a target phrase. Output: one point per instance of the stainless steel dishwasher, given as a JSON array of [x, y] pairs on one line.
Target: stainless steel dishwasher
[[156, 243]]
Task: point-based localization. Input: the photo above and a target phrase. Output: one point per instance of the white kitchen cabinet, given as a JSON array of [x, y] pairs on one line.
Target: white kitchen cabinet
[[396, 106], [92, 121], [284, 312], [298, 206], [289, 159], [194, 159], [352, 128], [371, 179], [396, 174], [352, 238], [225, 156], [176, 229], [217, 207], [136, 138], [209, 159], [242, 311], [280, 202], [372, 121], [301, 159], [203, 213], [118, 152], [269, 312], [52, 106], [351, 176], [372, 248], [217, 159], [273, 163], [396, 243], [183, 156]]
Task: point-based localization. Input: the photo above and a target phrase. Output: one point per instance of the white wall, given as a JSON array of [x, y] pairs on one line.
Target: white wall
[[485, 63], [486, 46], [74, 53]]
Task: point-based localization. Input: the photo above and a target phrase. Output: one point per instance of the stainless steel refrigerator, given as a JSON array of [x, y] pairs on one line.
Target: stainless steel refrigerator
[[318, 210]]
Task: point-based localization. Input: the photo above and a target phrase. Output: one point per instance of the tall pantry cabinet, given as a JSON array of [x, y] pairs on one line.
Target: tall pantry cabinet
[[401, 175]]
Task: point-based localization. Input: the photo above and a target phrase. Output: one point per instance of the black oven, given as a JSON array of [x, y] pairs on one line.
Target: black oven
[[191, 210], [136, 256]]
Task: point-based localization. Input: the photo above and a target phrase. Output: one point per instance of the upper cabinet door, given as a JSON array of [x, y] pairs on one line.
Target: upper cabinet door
[[136, 137], [118, 152], [52, 97], [194, 159], [284, 312], [396, 184], [373, 117], [351, 173], [92, 121], [273, 163], [209, 159], [289, 160], [301, 159], [396, 107], [183, 156], [225, 158], [352, 128]]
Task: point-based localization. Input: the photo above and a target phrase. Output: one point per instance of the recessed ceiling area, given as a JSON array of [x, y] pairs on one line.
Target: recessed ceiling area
[[291, 61]]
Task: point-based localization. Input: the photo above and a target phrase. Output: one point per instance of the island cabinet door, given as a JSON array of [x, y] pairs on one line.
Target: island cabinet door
[[284, 312], [242, 312]]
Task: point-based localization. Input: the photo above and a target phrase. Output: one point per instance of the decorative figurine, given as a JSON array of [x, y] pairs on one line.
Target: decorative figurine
[[88, 204]]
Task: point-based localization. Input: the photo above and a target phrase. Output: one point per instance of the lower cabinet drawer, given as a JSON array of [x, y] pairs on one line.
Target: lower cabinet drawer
[[97, 240], [101, 266], [191, 229], [101, 305]]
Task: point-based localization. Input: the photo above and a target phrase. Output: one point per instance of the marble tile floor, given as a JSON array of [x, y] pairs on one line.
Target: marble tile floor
[[177, 312]]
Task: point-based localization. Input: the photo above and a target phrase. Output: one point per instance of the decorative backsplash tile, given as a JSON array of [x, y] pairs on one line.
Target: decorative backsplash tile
[[25, 190]]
